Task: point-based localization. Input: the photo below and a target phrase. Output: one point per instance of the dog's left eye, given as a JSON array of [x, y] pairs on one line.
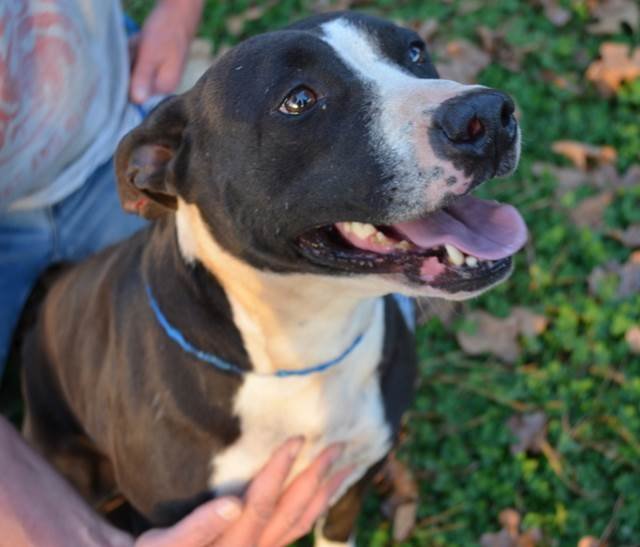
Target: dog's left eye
[[416, 52], [299, 100]]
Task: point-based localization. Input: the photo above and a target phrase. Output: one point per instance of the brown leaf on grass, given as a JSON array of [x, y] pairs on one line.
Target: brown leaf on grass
[[630, 179], [618, 64], [629, 237], [498, 336], [590, 541], [610, 15], [426, 29], [529, 323], [323, 6], [494, 42], [599, 274], [510, 535], [628, 275], [590, 211], [553, 11], [569, 178], [567, 83], [462, 61], [444, 310], [465, 7], [604, 177], [585, 156], [492, 335], [632, 337], [531, 431], [399, 487]]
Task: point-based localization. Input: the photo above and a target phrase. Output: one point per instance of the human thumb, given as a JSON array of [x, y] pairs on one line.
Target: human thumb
[[198, 529]]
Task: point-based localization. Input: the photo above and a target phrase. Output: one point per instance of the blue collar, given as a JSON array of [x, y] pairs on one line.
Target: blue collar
[[225, 366]]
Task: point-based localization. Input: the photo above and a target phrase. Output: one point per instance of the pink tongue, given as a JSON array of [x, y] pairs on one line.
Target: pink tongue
[[485, 229]]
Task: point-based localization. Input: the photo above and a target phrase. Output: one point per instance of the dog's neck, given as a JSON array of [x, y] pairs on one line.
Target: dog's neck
[[287, 321]]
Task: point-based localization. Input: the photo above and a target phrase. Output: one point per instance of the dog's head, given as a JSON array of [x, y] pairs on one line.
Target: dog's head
[[332, 148]]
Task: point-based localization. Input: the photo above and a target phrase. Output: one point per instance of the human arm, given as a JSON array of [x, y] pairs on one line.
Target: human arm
[[38, 507], [161, 47]]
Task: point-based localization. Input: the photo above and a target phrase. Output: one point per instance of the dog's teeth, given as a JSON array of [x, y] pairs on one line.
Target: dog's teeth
[[382, 239], [455, 256], [362, 230], [403, 245], [471, 261]]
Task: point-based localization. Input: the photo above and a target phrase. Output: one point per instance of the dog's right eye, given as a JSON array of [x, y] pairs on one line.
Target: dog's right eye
[[417, 53], [299, 100]]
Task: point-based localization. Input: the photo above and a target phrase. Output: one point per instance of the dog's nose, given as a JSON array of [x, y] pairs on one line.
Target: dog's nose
[[478, 123]]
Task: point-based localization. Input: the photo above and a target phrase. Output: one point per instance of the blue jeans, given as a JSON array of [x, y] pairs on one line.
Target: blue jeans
[[85, 222]]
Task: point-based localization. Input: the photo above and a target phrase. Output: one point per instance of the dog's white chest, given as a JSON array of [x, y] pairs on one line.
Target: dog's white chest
[[342, 404]]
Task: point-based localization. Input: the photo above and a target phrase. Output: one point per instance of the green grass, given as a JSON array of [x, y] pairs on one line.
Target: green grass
[[579, 371]]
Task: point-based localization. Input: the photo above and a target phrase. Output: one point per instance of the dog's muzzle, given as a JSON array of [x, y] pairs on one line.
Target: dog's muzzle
[[477, 131]]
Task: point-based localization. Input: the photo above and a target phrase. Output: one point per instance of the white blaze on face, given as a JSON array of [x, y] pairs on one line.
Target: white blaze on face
[[403, 109]]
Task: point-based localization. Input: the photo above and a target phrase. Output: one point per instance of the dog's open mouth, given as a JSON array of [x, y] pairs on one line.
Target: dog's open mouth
[[465, 246]]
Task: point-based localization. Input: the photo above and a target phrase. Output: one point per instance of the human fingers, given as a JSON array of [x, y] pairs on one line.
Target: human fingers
[[200, 528], [169, 71], [144, 71], [297, 496], [262, 496], [316, 507], [133, 44]]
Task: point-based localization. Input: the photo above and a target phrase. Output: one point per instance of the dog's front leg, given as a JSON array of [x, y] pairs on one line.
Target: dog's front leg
[[338, 527]]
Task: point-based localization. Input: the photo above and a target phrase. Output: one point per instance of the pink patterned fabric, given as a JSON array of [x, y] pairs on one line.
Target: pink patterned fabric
[[63, 96]]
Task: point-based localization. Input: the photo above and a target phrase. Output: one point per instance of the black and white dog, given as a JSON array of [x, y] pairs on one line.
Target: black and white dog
[[309, 173]]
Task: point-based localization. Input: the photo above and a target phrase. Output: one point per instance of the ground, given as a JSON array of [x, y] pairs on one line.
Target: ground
[[566, 376]]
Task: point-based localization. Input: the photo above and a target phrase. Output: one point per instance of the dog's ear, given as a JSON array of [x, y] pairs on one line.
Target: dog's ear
[[146, 158]]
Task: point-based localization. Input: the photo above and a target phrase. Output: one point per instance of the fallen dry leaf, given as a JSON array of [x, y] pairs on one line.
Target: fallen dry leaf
[[569, 178], [510, 535], [629, 237], [510, 520], [553, 11], [632, 337], [529, 323], [604, 177], [495, 44], [590, 541], [567, 83], [585, 156], [426, 29], [398, 486], [618, 64], [531, 431], [630, 179], [498, 336], [323, 6], [610, 15], [462, 61], [628, 276], [599, 274], [445, 310], [590, 211], [465, 7]]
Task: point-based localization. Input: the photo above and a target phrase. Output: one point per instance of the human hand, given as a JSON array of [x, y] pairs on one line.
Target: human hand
[[160, 49], [271, 515]]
